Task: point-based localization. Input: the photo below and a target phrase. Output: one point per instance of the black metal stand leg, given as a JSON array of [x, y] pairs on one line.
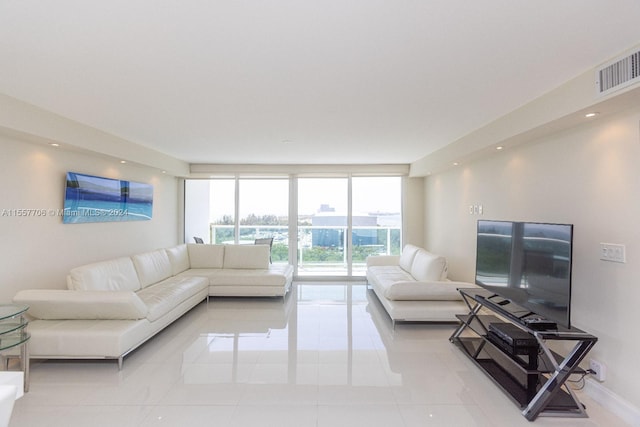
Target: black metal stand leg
[[464, 325], [557, 380]]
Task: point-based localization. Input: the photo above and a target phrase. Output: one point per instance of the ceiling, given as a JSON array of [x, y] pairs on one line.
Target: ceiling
[[300, 82]]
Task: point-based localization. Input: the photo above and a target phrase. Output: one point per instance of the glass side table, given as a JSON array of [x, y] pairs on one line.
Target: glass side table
[[13, 334]]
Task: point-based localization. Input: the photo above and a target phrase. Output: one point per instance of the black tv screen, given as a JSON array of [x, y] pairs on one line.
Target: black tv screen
[[528, 264]]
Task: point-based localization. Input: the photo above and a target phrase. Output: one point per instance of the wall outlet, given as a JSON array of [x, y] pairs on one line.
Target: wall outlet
[[599, 370]]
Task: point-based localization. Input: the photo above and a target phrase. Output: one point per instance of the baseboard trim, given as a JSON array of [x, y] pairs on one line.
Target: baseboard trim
[[612, 402]]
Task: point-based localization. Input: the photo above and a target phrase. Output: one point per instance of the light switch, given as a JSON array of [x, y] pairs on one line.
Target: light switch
[[612, 252]]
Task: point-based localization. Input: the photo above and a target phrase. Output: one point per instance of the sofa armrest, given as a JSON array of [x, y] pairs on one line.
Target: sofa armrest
[[383, 260], [66, 304]]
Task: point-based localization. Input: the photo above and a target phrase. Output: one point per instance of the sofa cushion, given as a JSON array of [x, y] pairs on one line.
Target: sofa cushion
[[117, 274], [424, 291], [428, 267], [205, 256], [179, 258], [163, 297], [407, 256], [249, 257], [152, 267], [64, 304], [387, 274], [277, 275]]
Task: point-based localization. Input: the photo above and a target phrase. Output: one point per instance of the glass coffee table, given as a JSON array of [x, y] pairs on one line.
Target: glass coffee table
[[13, 335]]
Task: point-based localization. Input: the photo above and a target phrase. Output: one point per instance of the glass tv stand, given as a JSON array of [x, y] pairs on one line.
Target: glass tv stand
[[527, 370]]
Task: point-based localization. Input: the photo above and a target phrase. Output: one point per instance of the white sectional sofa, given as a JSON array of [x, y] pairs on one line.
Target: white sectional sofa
[[234, 270], [112, 307], [414, 286]]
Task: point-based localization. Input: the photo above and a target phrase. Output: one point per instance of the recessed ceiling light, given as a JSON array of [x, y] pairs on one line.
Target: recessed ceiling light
[[54, 144], [455, 163], [164, 171], [499, 147], [592, 114], [123, 161]]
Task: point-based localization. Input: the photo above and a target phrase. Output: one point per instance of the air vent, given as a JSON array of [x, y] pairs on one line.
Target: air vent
[[621, 73]]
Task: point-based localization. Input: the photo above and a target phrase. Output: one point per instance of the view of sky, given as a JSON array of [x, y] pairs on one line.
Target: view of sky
[[270, 196]]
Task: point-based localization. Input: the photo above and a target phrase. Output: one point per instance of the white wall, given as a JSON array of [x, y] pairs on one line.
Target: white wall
[[38, 251], [413, 211], [197, 216], [588, 176]]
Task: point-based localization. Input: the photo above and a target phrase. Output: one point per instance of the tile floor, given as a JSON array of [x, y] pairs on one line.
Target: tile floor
[[326, 356]]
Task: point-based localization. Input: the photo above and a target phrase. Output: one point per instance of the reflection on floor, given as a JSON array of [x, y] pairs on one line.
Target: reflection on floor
[[326, 356]]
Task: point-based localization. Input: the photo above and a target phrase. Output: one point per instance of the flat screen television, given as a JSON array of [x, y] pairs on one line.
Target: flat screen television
[[528, 264]]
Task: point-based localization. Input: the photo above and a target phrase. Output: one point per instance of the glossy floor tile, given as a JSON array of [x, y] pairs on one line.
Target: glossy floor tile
[[325, 356]]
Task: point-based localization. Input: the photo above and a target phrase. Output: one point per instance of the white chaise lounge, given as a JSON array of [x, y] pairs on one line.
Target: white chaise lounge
[[414, 286]]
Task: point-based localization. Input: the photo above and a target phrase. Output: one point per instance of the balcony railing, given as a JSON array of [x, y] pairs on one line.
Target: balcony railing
[[321, 249]]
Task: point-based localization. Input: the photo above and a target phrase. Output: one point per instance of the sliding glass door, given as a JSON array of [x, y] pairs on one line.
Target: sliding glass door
[[339, 221], [264, 213], [323, 226], [222, 202], [376, 219], [209, 210]]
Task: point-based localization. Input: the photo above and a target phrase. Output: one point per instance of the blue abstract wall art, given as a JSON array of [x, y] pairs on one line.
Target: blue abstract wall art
[[95, 199]]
